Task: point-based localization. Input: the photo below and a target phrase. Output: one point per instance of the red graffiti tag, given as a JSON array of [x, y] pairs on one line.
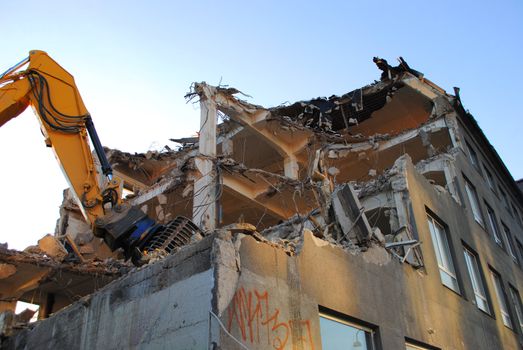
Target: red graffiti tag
[[257, 323]]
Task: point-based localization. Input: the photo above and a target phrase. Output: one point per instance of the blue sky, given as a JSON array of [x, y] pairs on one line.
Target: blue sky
[[134, 60]]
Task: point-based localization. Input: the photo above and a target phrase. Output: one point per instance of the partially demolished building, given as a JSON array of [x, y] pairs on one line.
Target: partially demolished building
[[380, 219]]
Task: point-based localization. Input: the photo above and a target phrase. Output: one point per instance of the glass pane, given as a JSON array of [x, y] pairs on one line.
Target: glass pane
[[442, 250], [501, 299], [448, 265], [482, 304], [436, 241], [480, 289], [472, 273], [490, 179], [473, 199], [517, 306], [477, 283], [493, 225], [520, 248], [506, 320], [449, 281], [508, 239], [445, 253], [341, 336]]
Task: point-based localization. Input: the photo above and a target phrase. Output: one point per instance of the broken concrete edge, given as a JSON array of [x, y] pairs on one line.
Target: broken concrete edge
[[228, 266], [109, 267], [443, 102], [224, 246], [160, 274], [441, 108]]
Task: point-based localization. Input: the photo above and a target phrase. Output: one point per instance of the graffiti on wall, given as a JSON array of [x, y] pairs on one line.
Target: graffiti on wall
[[257, 322]]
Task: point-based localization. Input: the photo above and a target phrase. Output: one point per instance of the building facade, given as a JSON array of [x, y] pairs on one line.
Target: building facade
[[380, 219]]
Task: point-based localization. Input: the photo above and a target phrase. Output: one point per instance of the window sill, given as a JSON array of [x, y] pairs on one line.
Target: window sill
[[452, 290], [480, 224], [485, 313], [513, 331]]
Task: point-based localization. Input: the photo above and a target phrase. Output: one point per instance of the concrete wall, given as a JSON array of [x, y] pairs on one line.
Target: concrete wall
[[456, 321], [161, 306], [272, 300]]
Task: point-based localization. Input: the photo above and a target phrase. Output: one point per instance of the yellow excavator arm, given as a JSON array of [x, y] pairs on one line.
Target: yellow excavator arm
[[66, 126], [51, 91]]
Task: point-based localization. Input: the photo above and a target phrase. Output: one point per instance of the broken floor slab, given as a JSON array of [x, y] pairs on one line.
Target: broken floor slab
[[53, 284]]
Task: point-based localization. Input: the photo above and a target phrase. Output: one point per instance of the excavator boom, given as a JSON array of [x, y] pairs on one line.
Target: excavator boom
[[67, 126], [51, 91]]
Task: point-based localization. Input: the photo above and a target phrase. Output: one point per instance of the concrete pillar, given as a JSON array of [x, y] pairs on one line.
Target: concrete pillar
[[205, 187], [227, 147], [291, 167]]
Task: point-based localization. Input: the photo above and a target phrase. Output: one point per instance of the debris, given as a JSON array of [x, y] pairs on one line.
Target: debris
[[25, 316], [7, 321], [50, 246], [7, 270], [350, 214], [186, 140], [376, 233]]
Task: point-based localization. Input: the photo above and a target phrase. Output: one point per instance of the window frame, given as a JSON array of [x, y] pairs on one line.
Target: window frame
[[477, 279], [475, 205], [517, 215], [491, 182], [473, 156], [507, 236], [519, 248], [515, 300], [504, 199], [416, 345], [502, 299], [370, 332], [443, 259], [494, 227]]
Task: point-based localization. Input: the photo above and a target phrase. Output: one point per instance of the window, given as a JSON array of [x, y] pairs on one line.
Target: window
[[474, 203], [500, 294], [338, 334], [413, 347], [416, 346], [490, 179], [473, 156], [477, 280], [504, 199], [516, 213], [519, 248], [508, 241], [443, 255], [494, 228], [516, 304]]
